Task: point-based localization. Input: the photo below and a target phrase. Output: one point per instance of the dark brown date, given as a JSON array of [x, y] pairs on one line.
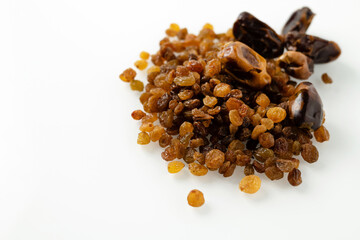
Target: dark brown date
[[320, 50], [305, 106], [258, 35], [299, 21]]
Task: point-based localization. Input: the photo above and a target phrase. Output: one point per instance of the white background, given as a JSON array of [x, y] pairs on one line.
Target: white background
[[70, 167]]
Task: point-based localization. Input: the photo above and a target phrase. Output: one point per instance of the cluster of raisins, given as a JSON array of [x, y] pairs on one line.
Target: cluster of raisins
[[217, 104]]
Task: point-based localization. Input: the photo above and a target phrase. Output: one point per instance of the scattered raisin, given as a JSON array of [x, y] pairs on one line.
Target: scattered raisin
[[326, 78], [250, 184], [309, 153], [128, 75], [138, 114], [143, 138], [195, 198], [322, 134], [175, 166], [294, 177]]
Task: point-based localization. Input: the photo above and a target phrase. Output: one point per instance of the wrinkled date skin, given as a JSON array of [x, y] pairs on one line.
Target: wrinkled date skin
[[305, 106], [258, 35], [244, 64], [299, 21], [296, 64], [320, 50]]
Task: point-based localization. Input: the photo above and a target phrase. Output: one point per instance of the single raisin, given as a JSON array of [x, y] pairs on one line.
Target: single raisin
[[250, 184], [309, 153], [175, 166], [195, 198]]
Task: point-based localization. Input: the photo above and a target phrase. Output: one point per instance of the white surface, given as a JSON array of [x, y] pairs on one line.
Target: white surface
[[70, 167]]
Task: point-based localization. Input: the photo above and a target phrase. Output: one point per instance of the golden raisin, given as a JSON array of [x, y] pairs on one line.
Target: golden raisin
[[137, 85], [144, 97], [208, 26], [255, 119], [221, 90], [147, 127], [152, 117], [233, 103], [186, 94], [261, 111], [175, 27], [175, 166], [235, 118], [268, 123], [259, 129], [276, 114], [153, 69], [185, 81], [138, 114], [170, 32], [144, 55], [212, 68], [128, 75], [210, 101], [197, 169], [185, 128], [199, 157], [250, 184], [143, 138], [195, 198], [322, 134], [214, 159], [156, 133], [141, 64], [263, 100]]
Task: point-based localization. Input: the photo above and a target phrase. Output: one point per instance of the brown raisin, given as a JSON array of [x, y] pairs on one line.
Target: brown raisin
[[309, 153], [286, 165], [294, 177], [266, 140], [138, 114]]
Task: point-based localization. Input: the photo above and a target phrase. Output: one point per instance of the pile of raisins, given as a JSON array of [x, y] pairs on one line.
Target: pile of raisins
[[228, 100]]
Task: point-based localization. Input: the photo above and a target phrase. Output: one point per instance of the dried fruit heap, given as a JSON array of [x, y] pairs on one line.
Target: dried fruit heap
[[229, 100]]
